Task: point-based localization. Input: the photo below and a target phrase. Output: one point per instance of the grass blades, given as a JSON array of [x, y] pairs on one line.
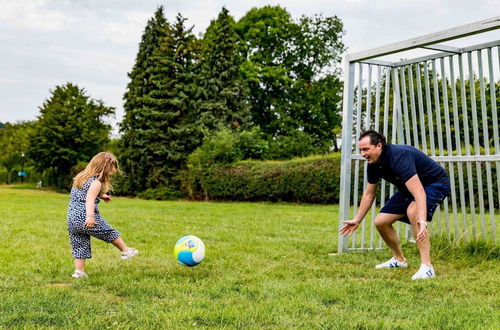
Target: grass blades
[[266, 266]]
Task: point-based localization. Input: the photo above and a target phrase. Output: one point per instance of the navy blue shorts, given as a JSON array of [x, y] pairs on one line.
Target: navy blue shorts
[[435, 192]]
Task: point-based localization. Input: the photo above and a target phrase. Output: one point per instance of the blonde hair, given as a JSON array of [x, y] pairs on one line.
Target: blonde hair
[[103, 166]]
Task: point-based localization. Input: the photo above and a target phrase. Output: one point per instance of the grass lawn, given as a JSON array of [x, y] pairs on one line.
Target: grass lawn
[[266, 266]]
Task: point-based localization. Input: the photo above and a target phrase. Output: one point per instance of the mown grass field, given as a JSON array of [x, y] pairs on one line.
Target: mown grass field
[[266, 266]]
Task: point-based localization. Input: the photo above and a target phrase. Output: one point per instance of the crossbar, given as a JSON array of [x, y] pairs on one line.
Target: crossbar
[[428, 39]]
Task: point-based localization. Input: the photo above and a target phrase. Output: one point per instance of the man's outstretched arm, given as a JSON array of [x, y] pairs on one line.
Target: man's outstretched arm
[[366, 202]]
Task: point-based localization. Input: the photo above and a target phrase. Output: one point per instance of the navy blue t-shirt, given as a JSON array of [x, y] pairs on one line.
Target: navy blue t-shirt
[[398, 163]]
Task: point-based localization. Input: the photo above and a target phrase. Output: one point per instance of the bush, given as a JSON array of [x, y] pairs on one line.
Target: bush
[[162, 193], [306, 180], [219, 148], [297, 144]]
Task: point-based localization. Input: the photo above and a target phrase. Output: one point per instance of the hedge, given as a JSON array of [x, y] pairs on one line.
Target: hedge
[[13, 178], [305, 180]]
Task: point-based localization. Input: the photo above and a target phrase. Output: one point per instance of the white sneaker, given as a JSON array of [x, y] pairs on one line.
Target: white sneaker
[[131, 252], [391, 263], [79, 274], [424, 273]]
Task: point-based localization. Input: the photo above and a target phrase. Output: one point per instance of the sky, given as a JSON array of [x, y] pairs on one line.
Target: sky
[[93, 43]]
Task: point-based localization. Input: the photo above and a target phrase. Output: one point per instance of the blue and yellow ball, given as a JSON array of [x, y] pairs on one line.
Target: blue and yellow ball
[[189, 250]]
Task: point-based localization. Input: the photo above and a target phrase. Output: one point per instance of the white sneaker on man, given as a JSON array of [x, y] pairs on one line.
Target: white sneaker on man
[[424, 273], [129, 253], [391, 263], [79, 274]]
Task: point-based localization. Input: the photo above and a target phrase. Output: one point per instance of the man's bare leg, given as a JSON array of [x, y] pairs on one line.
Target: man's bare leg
[[384, 222], [424, 246]]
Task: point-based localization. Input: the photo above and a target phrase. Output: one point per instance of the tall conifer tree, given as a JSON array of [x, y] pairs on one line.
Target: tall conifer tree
[[160, 126], [174, 131], [224, 101], [135, 125]]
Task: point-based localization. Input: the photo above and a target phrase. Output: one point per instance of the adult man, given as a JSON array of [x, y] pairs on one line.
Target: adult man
[[422, 185]]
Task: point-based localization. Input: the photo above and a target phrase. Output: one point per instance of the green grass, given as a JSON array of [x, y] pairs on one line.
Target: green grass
[[266, 266]]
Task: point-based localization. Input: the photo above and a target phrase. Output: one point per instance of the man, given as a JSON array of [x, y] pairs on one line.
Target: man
[[422, 185]]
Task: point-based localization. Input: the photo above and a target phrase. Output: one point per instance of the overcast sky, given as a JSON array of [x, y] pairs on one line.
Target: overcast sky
[[93, 43]]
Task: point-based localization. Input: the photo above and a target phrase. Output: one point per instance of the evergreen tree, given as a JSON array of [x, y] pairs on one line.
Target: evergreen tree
[[135, 125], [173, 131], [160, 128], [69, 129], [225, 94]]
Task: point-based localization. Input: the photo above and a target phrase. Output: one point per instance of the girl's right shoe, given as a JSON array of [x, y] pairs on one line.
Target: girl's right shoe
[[79, 274], [129, 253]]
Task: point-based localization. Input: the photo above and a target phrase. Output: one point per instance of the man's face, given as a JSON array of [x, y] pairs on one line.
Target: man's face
[[369, 151]]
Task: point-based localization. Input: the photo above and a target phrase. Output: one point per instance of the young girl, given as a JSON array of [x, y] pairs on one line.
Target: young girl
[[84, 220]]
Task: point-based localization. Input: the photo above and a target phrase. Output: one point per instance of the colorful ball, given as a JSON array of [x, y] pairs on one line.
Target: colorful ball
[[189, 250]]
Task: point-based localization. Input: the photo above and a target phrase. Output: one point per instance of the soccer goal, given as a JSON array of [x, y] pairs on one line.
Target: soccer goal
[[440, 97]]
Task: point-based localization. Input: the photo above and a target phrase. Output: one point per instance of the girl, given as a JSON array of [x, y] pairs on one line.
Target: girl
[[84, 220]]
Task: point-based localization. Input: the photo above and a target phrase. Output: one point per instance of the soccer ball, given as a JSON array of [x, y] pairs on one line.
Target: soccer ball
[[189, 250]]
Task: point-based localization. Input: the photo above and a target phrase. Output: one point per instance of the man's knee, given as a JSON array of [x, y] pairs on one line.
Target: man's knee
[[412, 212], [382, 220]]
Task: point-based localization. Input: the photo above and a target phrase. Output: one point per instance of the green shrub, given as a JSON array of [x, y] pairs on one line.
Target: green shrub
[[162, 193], [306, 180], [219, 148], [297, 144]]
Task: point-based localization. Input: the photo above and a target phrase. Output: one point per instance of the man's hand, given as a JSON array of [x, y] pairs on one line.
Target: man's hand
[[349, 227], [89, 222], [106, 198], [422, 232]]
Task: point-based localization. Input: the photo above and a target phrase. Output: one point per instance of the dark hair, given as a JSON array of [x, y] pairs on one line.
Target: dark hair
[[375, 137]]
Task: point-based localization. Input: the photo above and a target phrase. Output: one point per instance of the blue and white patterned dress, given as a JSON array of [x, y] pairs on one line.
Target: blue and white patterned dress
[[78, 234]]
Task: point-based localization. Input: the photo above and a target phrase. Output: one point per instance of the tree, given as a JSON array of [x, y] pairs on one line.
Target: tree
[[14, 140], [429, 106], [173, 129], [224, 99], [161, 126], [291, 69], [135, 124], [69, 129]]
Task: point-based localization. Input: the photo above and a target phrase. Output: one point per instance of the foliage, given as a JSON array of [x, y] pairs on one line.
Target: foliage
[[308, 180], [69, 129], [165, 126], [14, 140], [267, 266], [221, 147], [468, 105], [137, 118], [162, 193], [291, 69], [182, 88], [297, 144], [224, 99]]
